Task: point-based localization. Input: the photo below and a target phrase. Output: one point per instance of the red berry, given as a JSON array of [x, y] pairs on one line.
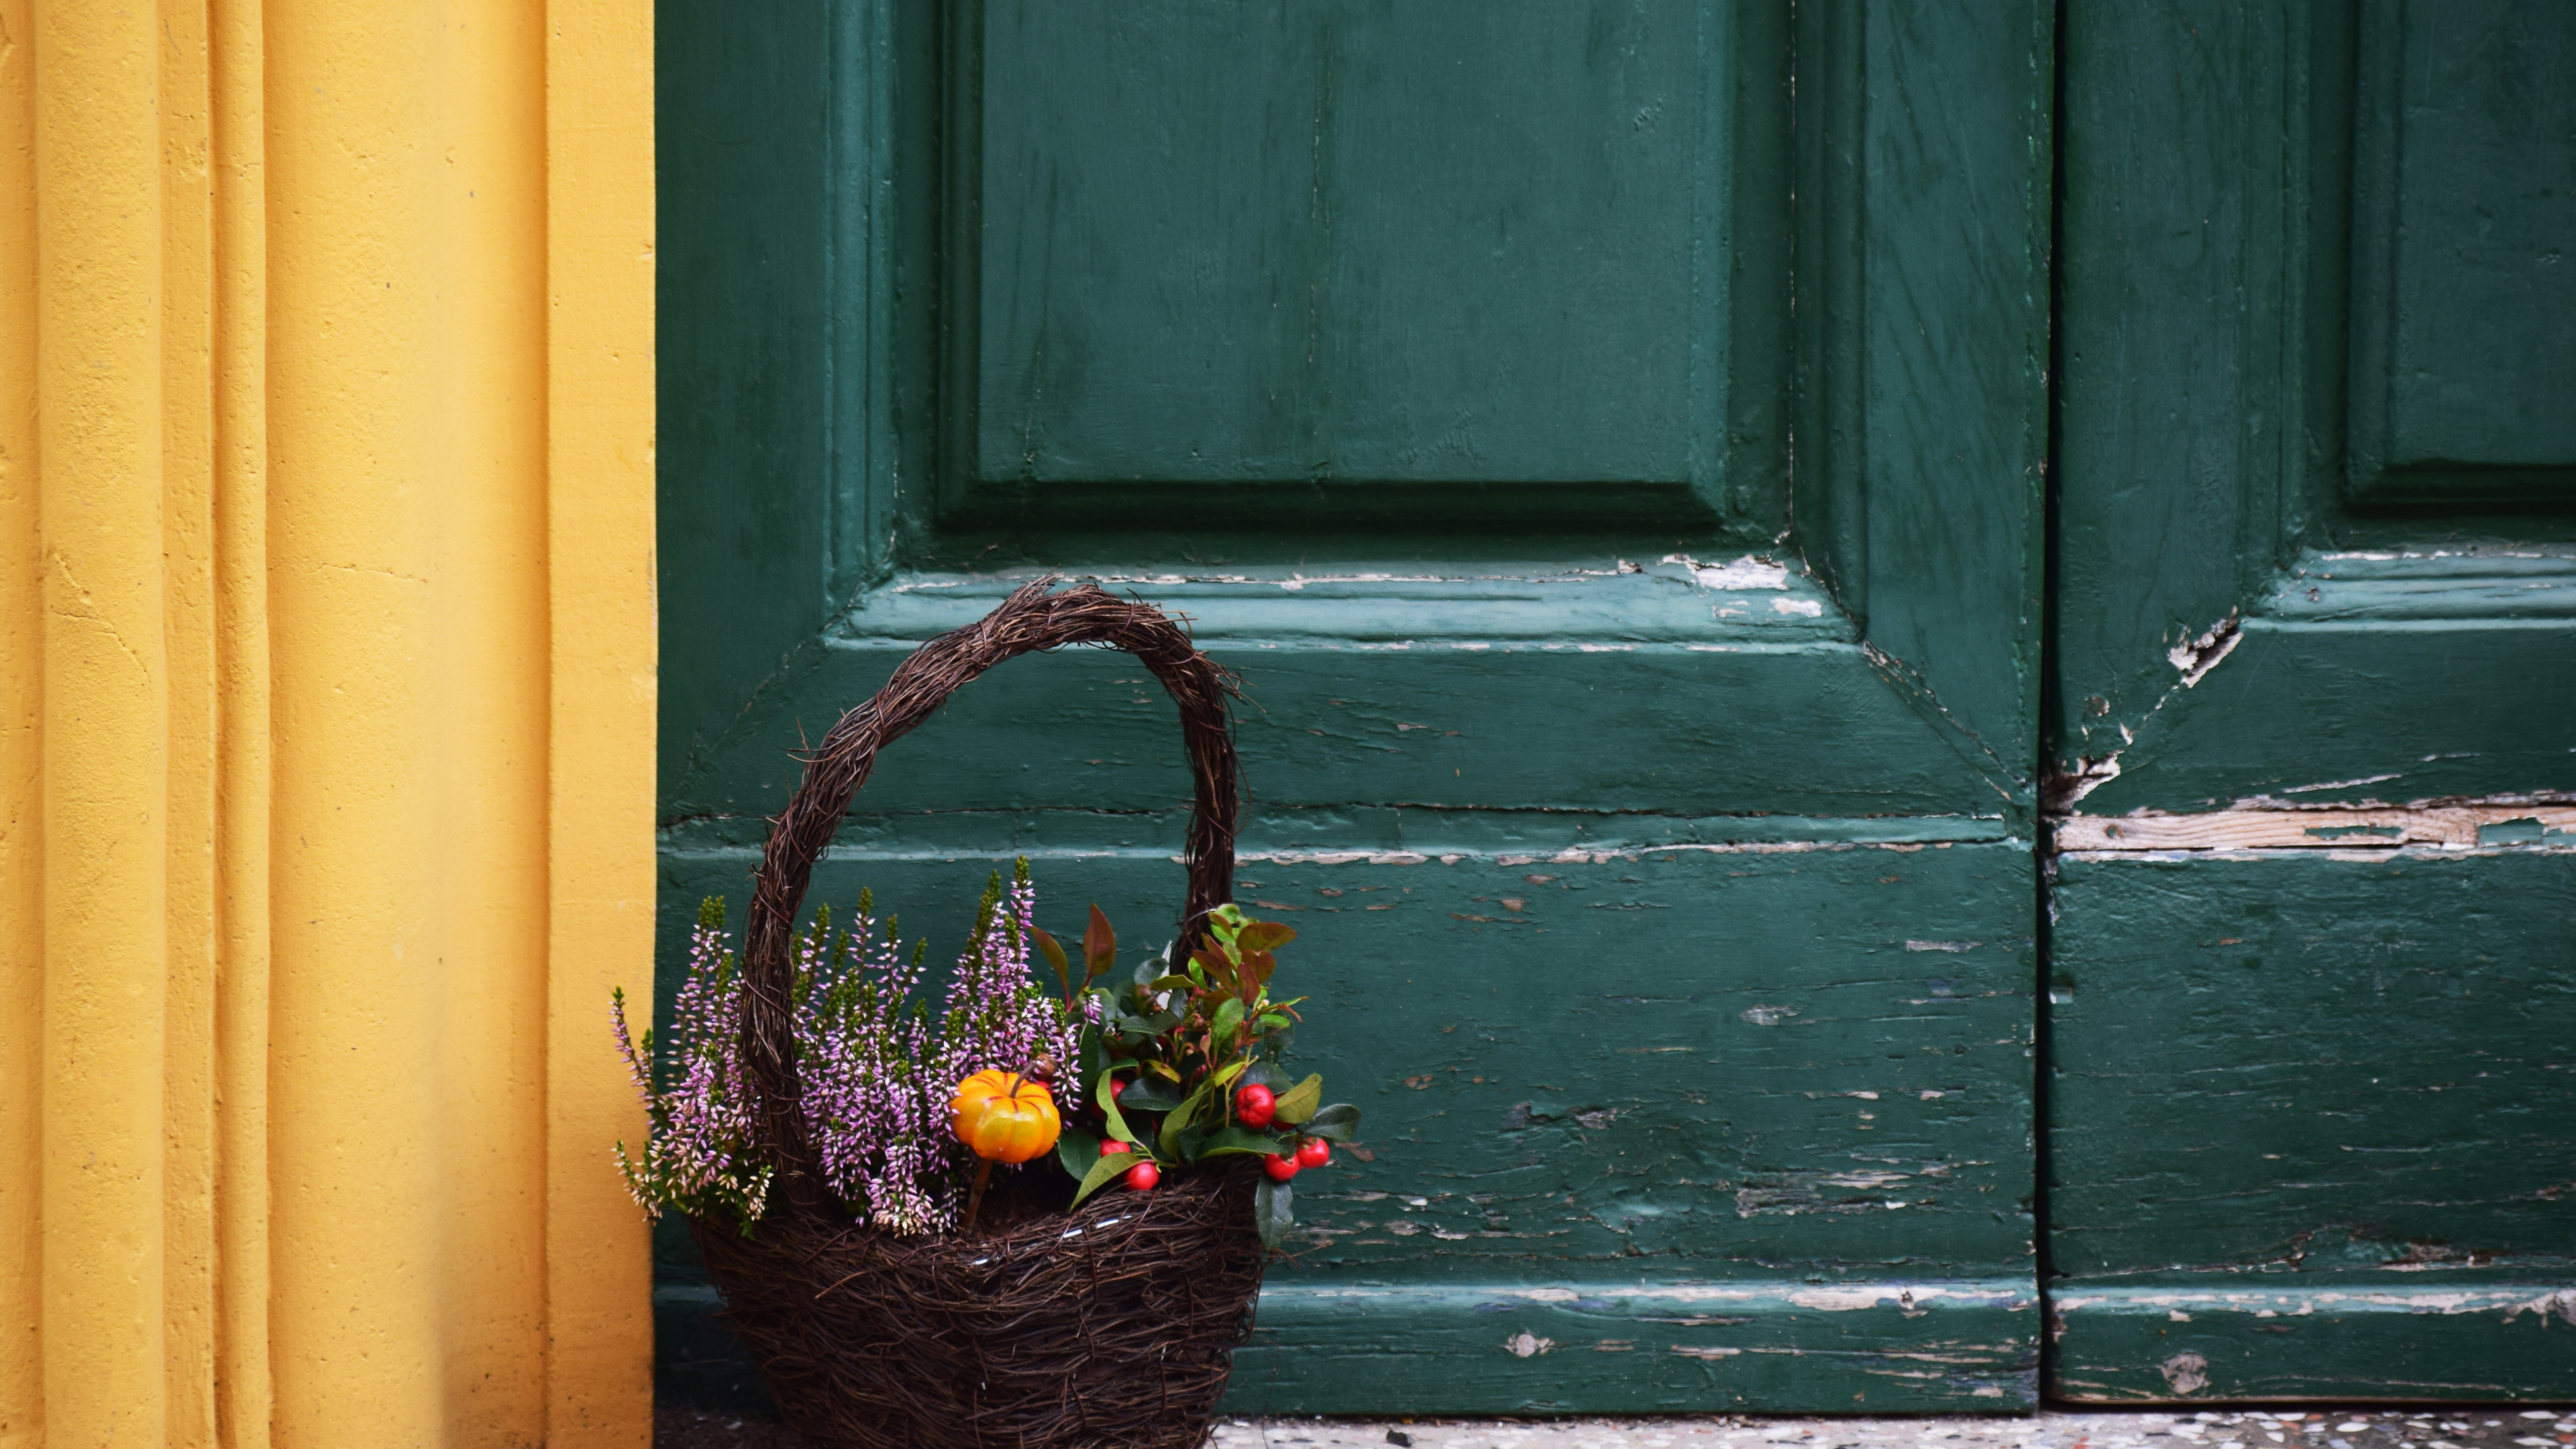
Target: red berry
[[1114, 1145], [1314, 1152], [1280, 1168], [1143, 1176], [1116, 1086], [1254, 1106]]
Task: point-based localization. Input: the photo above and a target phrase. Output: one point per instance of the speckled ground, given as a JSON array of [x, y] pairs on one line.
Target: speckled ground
[[2280, 1428]]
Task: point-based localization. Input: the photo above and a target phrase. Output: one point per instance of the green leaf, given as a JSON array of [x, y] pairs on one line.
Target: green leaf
[[1234, 1141], [1269, 1075], [1075, 1151], [1171, 983], [1104, 1172], [1273, 1212], [1170, 1136], [1099, 945], [1334, 1123], [1145, 1095], [1299, 1102], [1229, 1015], [1271, 1021], [1109, 1109]]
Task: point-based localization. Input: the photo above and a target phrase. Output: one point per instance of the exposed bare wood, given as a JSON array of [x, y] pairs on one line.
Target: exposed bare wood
[[2453, 826]]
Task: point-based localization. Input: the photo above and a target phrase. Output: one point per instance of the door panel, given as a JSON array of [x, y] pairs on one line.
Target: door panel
[[2308, 1125], [1701, 815], [2464, 206], [1493, 248], [2315, 705]]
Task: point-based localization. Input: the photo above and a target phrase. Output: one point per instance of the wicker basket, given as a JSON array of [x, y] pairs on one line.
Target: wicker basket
[[1114, 1324]]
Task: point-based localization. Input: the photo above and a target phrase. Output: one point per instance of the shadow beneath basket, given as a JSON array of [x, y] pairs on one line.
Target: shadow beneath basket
[[698, 1363], [678, 1427]]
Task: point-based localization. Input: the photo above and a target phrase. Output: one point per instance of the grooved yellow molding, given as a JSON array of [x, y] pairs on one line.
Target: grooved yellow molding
[[326, 720]]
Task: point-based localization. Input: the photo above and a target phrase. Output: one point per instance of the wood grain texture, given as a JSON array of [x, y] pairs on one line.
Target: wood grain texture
[[2359, 711], [2307, 963], [2331, 1337], [2463, 315], [1922, 361], [1457, 642], [1386, 695], [744, 385], [2305, 1072], [1628, 1071], [2225, 310], [2252, 1055], [1516, 263], [2456, 827], [1903, 1346], [1247, 245]]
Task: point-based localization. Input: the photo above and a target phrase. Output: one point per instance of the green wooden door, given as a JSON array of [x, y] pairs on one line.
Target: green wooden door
[[2313, 958], [1608, 438]]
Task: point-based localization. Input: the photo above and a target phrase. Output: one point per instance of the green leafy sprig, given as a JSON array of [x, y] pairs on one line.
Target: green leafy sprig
[[1169, 1046]]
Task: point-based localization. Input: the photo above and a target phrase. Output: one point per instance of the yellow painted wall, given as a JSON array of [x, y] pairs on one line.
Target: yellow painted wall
[[326, 711]]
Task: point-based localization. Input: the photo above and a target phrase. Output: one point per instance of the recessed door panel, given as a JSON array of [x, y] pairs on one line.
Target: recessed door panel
[[1270, 243], [2463, 289]]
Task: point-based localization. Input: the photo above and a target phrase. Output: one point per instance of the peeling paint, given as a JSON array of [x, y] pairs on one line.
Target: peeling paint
[[2192, 660], [1579, 855], [2463, 825], [1836, 1298], [2339, 784], [2561, 1302], [1748, 572], [2508, 1300], [2195, 658], [2188, 1372], [2089, 775]]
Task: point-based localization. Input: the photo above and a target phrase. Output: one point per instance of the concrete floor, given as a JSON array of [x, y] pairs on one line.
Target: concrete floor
[[2283, 1427]]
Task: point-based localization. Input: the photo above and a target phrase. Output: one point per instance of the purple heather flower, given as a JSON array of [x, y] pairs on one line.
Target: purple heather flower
[[877, 1073]]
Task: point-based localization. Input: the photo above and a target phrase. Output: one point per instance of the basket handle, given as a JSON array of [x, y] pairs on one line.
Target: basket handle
[[1030, 619]]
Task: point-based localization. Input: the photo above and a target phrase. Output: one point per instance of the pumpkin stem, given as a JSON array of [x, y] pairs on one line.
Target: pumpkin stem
[[975, 1196]]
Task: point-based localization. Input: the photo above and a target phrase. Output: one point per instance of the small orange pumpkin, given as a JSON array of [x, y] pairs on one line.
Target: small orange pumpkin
[[1004, 1117]]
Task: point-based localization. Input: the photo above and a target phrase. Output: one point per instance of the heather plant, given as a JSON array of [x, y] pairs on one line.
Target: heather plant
[[699, 1158], [878, 1068]]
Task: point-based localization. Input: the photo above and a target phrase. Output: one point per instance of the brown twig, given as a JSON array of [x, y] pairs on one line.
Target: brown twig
[[975, 1195], [1031, 619]]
